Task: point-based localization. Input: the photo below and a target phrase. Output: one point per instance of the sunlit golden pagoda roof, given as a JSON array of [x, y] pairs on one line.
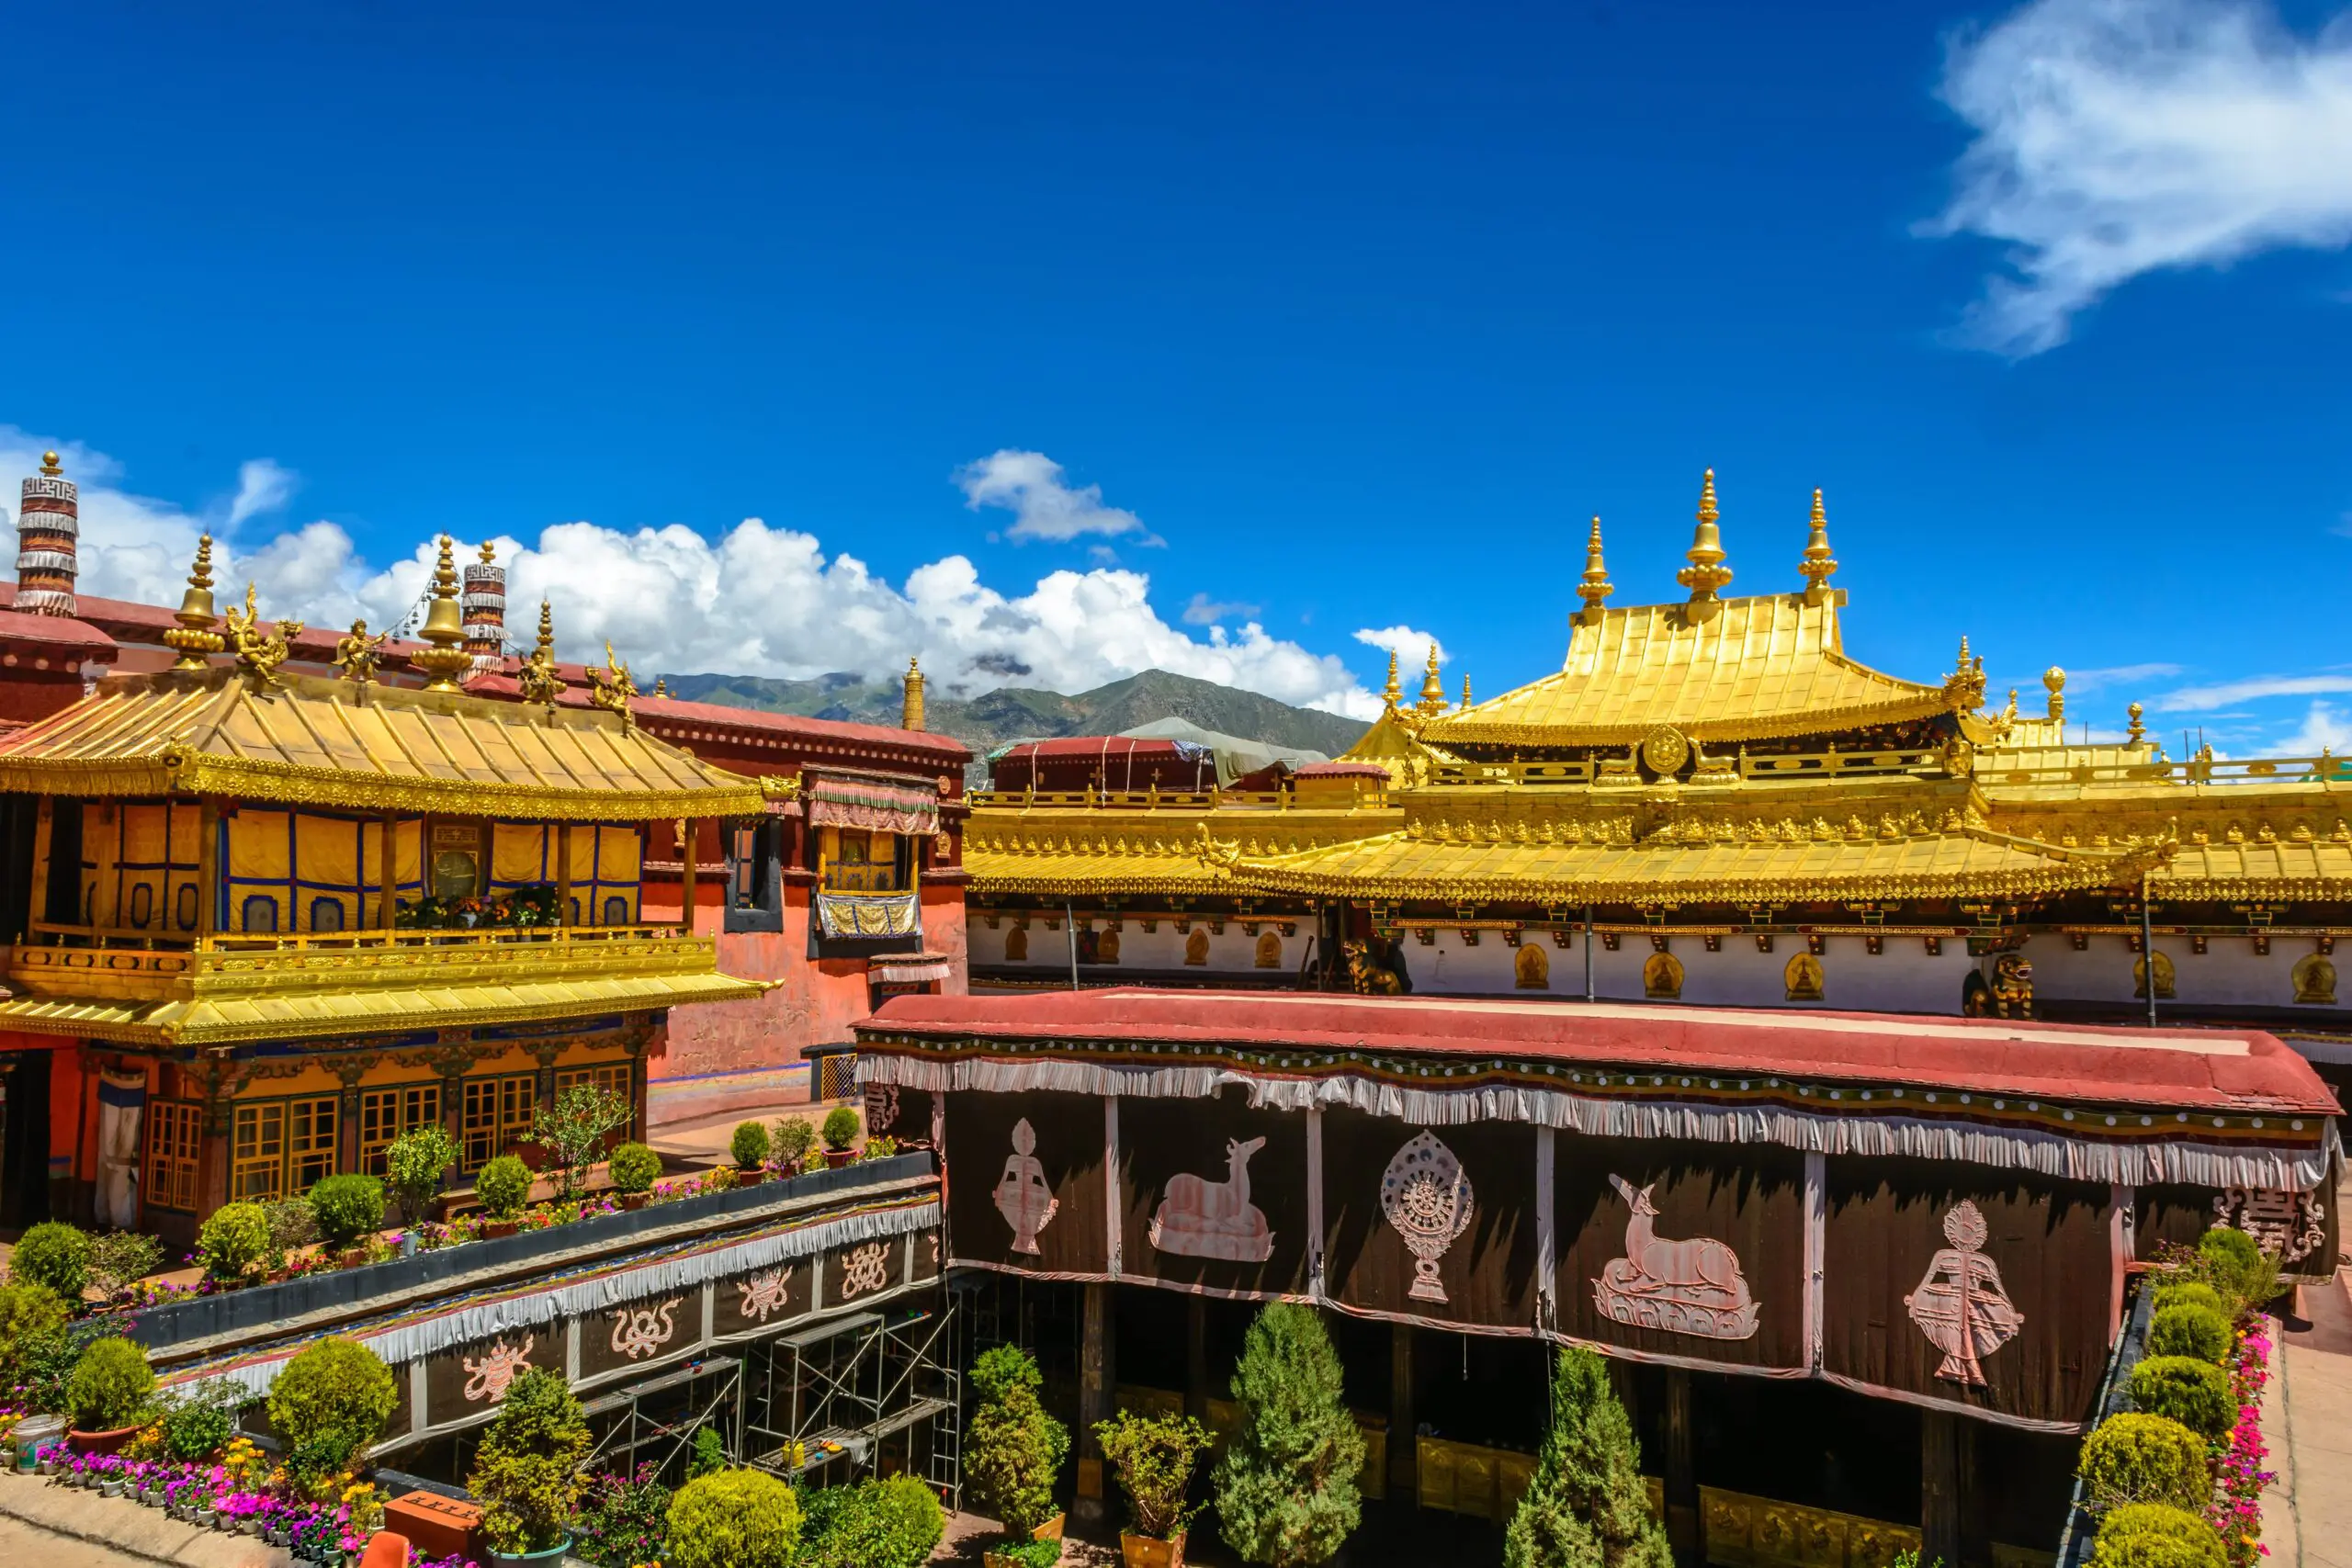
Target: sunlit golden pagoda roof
[[1084, 852], [313, 741]]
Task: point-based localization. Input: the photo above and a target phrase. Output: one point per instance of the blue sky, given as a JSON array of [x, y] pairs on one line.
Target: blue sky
[[1023, 332]]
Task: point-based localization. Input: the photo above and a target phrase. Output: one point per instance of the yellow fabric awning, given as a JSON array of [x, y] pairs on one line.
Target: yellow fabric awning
[[322, 742], [232, 1020]]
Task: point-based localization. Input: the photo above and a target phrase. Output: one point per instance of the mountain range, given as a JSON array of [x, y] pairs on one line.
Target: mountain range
[[1017, 713]]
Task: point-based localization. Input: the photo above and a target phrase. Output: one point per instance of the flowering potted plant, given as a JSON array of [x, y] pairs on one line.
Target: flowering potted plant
[[106, 1393], [750, 1147], [633, 1169]]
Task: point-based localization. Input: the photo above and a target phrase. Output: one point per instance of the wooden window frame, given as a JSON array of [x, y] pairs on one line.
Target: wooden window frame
[[514, 1097], [174, 1155], [289, 1169], [416, 1103]]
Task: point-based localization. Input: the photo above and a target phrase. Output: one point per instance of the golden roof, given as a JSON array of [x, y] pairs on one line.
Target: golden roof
[[1754, 669], [315, 741], [1078, 852], [2314, 869]]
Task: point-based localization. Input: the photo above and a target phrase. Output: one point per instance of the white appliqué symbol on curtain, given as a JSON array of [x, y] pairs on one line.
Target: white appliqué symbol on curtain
[[1027, 1204], [497, 1368], [1682, 1287], [1200, 1218], [762, 1294], [1427, 1199], [865, 1269], [2288, 1223], [640, 1331], [1959, 1304]]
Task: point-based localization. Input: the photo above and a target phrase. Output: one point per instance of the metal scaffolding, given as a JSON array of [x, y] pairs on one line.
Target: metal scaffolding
[[830, 1402], [655, 1421]]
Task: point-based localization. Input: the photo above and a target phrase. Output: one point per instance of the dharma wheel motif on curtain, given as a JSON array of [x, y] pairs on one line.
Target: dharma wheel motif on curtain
[[1426, 1196]]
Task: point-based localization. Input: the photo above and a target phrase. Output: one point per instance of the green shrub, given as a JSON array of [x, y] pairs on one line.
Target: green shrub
[[1153, 1457], [733, 1519], [2236, 1267], [2145, 1459], [415, 1164], [2150, 1535], [334, 1398], [1015, 1449], [749, 1146], [709, 1454], [1587, 1502], [875, 1524], [2189, 1292], [528, 1470], [234, 1239], [2189, 1330], [634, 1168], [291, 1224], [199, 1425], [111, 1386], [348, 1208], [2192, 1391], [1287, 1484], [1028, 1553], [621, 1520], [879, 1147], [30, 1316], [54, 1254], [503, 1186], [791, 1142], [574, 1131], [120, 1260], [841, 1128]]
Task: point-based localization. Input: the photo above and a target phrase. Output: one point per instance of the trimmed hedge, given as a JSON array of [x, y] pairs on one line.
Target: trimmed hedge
[[233, 1240], [503, 1186], [333, 1399], [876, 1523], [749, 1146], [2150, 1535], [2189, 1330], [2190, 1292], [54, 1254], [2145, 1459], [634, 1168], [733, 1519], [347, 1208], [111, 1386], [2192, 1391]]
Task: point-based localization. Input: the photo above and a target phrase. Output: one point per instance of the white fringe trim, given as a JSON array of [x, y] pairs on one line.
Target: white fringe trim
[[589, 1296], [2145, 1164]]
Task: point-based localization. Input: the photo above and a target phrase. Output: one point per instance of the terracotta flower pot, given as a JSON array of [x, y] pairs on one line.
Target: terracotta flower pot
[[100, 1442], [1050, 1530], [633, 1201], [353, 1257], [493, 1229], [749, 1176], [836, 1158], [1148, 1552]]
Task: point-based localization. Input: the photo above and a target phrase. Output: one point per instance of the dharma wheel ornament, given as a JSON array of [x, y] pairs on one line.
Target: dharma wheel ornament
[[1427, 1198], [1959, 1304]]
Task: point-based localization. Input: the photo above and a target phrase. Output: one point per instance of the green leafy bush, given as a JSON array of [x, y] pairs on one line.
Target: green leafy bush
[[575, 1130], [2189, 1330], [198, 1426], [1586, 1503], [791, 1142], [709, 1453], [749, 1146], [348, 1208], [2189, 1292], [334, 1398], [30, 1316], [2150, 1535], [2237, 1268], [111, 1386], [1287, 1484], [878, 1147], [503, 1186], [1153, 1456], [733, 1519], [528, 1470], [2194, 1393], [234, 1239], [120, 1260], [291, 1224], [2145, 1459], [54, 1254], [415, 1164], [1015, 1449], [621, 1520], [875, 1524], [634, 1168], [841, 1128], [1029, 1553]]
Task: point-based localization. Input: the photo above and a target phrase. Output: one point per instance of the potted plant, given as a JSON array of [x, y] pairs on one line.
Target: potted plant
[[1153, 1457], [569, 1135], [54, 1254], [634, 1168], [233, 1241], [790, 1143], [1014, 1453], [110, 1389], [750, 1147], [840, 1132], [415, 1164], [329, 1402], [503, 1187], [732, 1518], [527, 1471], [118, 1261], [292, 1226], [1287, 1484], [350, 1208]]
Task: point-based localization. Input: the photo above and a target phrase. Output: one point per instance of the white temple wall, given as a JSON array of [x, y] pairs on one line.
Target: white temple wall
[[2230, 972], [1904, 977], [1230, 951]]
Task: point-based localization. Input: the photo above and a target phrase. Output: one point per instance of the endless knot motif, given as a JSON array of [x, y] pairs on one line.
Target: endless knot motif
[[1959, 1304], [867, 1269], [763, 1294], [641, 1331], [496, 1369], [1426, 1196], [2288, 1223]]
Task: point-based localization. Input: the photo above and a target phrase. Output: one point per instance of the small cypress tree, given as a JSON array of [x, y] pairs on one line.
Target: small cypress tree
[[1586, 1506], [1288, 1487]]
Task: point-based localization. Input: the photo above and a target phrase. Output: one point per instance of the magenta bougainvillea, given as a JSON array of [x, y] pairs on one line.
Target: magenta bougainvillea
[[2238, 1475]]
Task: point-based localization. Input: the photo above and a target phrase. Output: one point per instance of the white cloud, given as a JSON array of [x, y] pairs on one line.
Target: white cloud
[[2120, 137], [262, 487], [2225, 693], [1029, 485], [1411, 647], [1205, 611], [2325, 728]]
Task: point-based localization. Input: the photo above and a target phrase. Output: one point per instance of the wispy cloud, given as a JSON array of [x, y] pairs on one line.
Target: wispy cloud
[[2252, 688], [263, 487], [1410, 645], [1205, 611], [2325, 728], [1029, 485], [2120, 136]]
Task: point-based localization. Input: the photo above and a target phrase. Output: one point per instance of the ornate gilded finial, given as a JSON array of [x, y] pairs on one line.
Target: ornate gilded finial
[[490, 551], [538, 679], [2054, 681], [611, 687], [1965, 687], [446, 658], [1392, 692], [260, 656], [1818, 566], [1465, 689], [911, 699], [357, 654], [1432, 689], [194, 636], [661, 687], [1594, 587], [49, 466], [2138, 731], [1706, 573]]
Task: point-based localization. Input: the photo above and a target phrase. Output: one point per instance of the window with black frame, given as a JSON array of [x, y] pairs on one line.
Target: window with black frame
[[754, 879]]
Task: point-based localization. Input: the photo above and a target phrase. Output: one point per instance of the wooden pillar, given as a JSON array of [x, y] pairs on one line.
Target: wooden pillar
[[1196, 1357], [563, 872], [1097, 1374], [207, 865], [1403, 1447], [1681, 1474], [346, 1118], [686, 878], [1939, 1503], [388, 876]]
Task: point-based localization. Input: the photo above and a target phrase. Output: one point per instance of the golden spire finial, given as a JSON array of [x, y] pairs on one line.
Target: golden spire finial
[[1594, 586], [488, 553], [910, 701], [538, 680], [1465, 688], [194, 636], [1394, 692], [1432, 689], [1818, 566], [1706, 573], [2138, 731], [49, 466], [2054, 681], [445, 659]]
